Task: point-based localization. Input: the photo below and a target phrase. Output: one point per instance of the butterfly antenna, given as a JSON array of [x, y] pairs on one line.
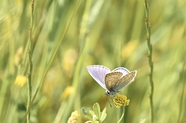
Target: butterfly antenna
[[110, 98], [110, 104]]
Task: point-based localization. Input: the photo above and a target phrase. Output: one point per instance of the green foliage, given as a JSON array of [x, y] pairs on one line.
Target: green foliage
[[68, 35], [95, 115]]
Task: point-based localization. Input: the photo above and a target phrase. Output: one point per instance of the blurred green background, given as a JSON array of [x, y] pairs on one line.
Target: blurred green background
[[107, 32]]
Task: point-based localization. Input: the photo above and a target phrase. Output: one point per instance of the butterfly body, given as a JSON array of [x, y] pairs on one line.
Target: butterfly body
[[111, 81]]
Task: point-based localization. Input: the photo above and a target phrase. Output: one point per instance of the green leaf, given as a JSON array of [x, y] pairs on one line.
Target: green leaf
[[89, 122], [103, 115], [96, 122], [96, 109], [88, 113]]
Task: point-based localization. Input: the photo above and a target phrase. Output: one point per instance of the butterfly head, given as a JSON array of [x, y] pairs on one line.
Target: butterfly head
[[111, 92], [107, 92]]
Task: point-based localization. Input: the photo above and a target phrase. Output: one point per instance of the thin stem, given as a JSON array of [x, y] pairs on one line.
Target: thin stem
[[122, 115], [181, 106], [75, 83], [53, 55], [148, 37], [30, 51]]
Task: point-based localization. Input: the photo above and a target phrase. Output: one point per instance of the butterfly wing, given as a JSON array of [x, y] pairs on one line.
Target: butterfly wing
[[125, 80], [98, 73], [111, 79], [123, 70]]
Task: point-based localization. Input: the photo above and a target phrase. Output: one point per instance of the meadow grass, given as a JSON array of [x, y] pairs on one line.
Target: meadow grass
[[49, 46]]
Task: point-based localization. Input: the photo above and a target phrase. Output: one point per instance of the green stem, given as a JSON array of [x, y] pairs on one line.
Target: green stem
[[147, 23], [181, 105], [83, 38], [122, 115], [30, 51], [53, 55]]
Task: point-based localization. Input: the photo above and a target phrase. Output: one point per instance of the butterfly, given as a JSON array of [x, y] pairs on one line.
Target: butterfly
[[111, 81]]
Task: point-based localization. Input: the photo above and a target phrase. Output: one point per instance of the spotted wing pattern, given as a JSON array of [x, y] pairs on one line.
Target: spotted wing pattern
[[125, 80], [111, 79]]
